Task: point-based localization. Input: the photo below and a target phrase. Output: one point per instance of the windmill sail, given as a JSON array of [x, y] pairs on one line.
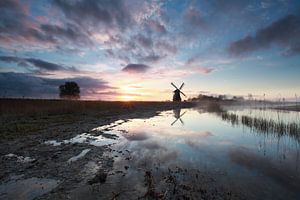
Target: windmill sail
[[176, 96]]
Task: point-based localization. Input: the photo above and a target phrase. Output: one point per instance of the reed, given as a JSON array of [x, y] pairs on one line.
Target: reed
[[230, 117], [265, 126]]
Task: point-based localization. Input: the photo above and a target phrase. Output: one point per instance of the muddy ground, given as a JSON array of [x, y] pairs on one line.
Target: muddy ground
[[33, 169]]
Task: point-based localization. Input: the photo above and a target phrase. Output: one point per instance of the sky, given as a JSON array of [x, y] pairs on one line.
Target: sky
[[133, 50]]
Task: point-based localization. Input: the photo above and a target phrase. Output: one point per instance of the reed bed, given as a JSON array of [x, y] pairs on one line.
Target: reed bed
[[230, 117], [265, 126]]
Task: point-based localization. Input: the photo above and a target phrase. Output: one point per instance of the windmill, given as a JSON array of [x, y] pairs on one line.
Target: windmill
[[176, 96], [178, 116]]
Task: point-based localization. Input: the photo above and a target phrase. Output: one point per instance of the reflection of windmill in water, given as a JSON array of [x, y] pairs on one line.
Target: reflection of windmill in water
[[176, 96], [178, 116]]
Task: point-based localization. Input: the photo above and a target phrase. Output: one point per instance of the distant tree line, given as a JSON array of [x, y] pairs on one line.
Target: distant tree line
[[202, 97]]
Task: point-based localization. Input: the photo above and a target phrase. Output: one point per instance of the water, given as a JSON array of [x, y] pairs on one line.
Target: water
[[193, 153], [229, 158], [26, 188]]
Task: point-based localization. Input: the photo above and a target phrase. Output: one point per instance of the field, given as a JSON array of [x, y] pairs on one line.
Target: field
[[21, 117]]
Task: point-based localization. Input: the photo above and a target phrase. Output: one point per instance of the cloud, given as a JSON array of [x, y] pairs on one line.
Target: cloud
[[70, 32], [16, 25], [114, 26], [196, 64], [113, 13], [136, 136], [136, 68], [151, 58], [204, 70], [165, 46], [39, 64], [283, 33], [194, 18], [18, 28], [12, 16], [20, 84], [144, 41], [156, 26]]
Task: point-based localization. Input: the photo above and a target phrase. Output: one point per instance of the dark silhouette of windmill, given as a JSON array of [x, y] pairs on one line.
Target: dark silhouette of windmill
[[176, 96], [178, 116]]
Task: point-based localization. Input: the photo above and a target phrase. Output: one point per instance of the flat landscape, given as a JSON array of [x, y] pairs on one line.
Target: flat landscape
[[155, 99], [65, 149]]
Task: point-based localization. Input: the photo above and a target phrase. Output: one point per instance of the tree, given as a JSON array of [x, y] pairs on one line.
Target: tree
[[70, 90]]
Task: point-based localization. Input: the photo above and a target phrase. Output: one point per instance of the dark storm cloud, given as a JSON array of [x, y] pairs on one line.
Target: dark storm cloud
[[40, 64], [284, 32], [136, 68], [95, 13], [19, 84]]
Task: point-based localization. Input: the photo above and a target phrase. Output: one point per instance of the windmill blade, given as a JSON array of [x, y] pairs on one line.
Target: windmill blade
[[181, 86], [174, 121], [182, 114], [174, 85], [182, 93], [181, 121]]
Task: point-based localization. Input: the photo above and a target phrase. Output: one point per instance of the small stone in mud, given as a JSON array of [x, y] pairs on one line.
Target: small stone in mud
[[99, 178], [126, 167]]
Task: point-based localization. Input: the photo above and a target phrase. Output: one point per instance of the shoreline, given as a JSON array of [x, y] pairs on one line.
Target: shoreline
[[19, 117], [25, 156]]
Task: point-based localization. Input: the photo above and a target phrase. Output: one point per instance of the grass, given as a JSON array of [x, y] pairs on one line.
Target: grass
[[36, 107], [265, 126], [20, 117]]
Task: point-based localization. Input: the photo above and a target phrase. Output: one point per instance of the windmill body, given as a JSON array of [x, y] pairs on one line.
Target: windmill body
[[176, 95], [177, 91]]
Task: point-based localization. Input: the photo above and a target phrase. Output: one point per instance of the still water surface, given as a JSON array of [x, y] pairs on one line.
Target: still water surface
[[183, 154], [254, 164]]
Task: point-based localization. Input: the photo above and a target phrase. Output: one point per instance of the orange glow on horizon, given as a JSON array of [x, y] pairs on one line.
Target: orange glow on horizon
[[127, 98]]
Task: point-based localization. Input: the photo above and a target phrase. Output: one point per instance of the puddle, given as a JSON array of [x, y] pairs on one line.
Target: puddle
[[235, 157], [99, 136], [85, 138], [20, 159], [26, 189], [82, 154], [192, 153]]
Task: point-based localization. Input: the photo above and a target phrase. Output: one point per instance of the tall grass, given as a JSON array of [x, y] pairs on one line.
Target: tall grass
[[265, 126]]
